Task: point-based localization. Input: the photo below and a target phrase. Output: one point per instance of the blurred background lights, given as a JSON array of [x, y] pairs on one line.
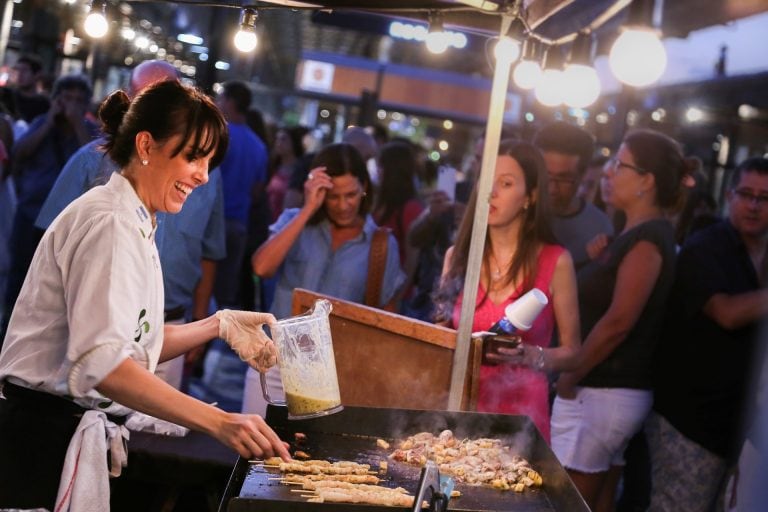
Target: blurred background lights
[[694, 115]]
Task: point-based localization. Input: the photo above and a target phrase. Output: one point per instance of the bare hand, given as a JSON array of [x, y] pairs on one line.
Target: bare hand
[[251, 437], [318, 183], [522, 355], [596, 245], [57, 106]]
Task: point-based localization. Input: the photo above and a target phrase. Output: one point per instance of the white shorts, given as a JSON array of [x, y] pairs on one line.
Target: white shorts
[[591, 431]]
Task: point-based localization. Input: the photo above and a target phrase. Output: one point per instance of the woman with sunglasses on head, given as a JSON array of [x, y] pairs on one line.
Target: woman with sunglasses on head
[[323, 246], [622, 295], [519, 255]]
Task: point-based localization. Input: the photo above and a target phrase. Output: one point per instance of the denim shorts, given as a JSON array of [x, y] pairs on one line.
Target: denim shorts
[[591, 431]]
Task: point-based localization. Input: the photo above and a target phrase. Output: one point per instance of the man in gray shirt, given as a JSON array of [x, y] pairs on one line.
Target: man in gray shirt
[[567, 150]]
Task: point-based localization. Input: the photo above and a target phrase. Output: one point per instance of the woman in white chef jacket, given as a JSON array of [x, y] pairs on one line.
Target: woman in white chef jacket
[[87, 330]]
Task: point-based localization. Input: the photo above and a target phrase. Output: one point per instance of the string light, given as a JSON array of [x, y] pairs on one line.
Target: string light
[[638, 57], [527, 73], [583, 83], [508, 46], [96, 25], [549, 90], [437, 39], [246, 39]]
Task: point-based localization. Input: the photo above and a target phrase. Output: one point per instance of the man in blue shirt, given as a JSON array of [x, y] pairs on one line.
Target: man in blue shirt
[[189, 242], [243, 176], [243, 173]]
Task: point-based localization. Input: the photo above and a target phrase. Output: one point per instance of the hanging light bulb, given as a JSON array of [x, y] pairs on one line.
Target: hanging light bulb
[[508, 46], [528, 71], [549, 90], [583, 85], [246, 39], [638, 57], [437, 39], [96, 24]]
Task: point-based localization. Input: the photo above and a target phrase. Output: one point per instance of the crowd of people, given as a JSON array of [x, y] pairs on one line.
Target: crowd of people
[[150, 246]]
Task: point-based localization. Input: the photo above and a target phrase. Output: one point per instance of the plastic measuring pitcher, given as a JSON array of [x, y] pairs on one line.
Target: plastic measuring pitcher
[[307, 365]]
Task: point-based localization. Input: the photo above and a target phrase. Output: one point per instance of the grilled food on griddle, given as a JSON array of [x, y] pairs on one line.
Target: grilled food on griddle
[[472, 461]]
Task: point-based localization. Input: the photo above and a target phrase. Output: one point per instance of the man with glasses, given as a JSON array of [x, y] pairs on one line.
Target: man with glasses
[[567, 151], [706, 360]]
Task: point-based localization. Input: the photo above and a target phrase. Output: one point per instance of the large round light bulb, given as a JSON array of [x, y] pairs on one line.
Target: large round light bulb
[[638, 57], [549, 90], [527, 74], [246, 40], [507, 49], [437, 41], [96, 25], [583, 85]]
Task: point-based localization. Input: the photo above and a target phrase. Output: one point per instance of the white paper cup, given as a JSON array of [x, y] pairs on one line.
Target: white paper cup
[[524, 310]]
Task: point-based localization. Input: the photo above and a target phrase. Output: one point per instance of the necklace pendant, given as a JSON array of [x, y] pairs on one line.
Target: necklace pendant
[[496, 275]]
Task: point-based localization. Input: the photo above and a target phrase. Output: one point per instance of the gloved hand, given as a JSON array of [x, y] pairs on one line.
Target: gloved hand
[[243, 331], [531, 356]]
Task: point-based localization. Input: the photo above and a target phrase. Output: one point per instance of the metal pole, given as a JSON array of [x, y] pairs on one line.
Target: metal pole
[[5, 28], [480, 224]]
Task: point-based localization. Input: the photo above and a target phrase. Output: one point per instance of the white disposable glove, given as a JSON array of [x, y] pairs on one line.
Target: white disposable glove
[[243, 331]]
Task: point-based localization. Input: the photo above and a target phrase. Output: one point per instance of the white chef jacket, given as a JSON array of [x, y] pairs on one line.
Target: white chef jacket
[[93, 297]]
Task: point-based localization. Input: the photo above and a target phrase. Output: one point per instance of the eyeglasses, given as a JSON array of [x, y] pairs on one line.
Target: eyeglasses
[[759, 200], [616, 164]]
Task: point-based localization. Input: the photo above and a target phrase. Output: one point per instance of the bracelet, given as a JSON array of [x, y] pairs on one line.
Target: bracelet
[[540, 361]]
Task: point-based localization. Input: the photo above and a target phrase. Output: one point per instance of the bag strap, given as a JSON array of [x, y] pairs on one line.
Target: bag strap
[[377, 261]]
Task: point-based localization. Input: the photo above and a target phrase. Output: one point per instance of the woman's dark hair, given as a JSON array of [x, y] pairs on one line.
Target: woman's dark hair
[[397, 163], [164, 109], [534, 232], [663, 157], [339, 160]]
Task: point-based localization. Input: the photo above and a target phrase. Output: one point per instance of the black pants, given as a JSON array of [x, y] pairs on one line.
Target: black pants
[[35, 431]]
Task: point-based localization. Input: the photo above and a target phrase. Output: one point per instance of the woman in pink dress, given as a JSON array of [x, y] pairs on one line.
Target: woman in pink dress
[[519, 255]]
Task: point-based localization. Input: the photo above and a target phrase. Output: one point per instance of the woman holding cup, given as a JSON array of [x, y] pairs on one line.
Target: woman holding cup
[[519, 255]]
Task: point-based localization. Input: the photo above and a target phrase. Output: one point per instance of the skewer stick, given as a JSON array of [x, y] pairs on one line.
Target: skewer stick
[[304, 491]]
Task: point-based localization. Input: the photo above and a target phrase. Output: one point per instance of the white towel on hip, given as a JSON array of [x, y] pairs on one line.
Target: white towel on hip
[[84, 485]]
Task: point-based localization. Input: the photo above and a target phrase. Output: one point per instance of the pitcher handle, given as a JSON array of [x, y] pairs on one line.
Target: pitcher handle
[[265, 392]]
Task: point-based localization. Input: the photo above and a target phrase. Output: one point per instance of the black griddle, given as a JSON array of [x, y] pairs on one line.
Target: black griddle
[[351, 435]]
